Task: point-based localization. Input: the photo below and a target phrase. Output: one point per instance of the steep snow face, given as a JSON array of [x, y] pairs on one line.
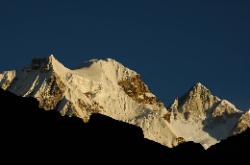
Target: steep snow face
[[109, 88], [203, 118]]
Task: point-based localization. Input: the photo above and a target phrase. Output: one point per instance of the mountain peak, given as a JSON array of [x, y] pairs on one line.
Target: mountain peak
[[52, 60], [46, 64], [199, 86], [42, 63], [197, 91], [51, 56]]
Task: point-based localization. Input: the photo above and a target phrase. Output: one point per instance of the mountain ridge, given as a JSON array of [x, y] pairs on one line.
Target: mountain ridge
[[109, 88]]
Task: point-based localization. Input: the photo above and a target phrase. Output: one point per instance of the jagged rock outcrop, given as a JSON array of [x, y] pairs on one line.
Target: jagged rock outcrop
[[109, 88], [138, 90]]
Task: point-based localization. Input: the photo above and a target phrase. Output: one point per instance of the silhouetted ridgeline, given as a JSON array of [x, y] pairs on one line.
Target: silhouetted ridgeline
[[32, 134]]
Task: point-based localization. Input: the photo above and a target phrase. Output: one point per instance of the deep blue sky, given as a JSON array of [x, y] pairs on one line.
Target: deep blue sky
[[172, 44]]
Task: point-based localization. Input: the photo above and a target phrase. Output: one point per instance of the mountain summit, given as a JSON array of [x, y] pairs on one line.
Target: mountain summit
[[109, 88]]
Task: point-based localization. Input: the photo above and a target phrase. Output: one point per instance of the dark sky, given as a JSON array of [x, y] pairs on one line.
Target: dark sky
[[172, 44]]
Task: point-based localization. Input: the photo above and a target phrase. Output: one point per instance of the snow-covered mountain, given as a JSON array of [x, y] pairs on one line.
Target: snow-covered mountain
[[202, 117], [109, 88]]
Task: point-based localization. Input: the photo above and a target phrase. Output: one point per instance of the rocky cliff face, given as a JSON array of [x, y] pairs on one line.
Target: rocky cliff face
[[109, 88]]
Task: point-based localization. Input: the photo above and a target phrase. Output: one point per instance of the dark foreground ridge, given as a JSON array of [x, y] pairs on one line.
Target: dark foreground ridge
[[29, 133]]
